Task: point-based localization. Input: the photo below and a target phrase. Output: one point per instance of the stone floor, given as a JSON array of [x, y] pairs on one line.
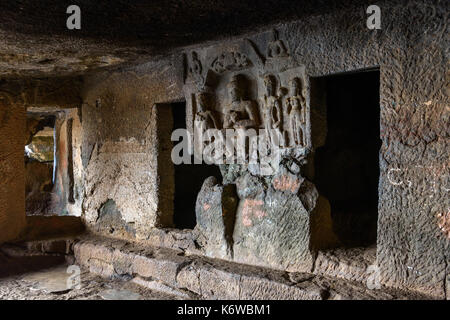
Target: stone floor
[[51, 284]]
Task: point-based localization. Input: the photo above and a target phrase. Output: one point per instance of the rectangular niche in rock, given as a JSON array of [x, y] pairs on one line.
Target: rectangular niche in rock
[[39, 163], [179, 183], [346, 160]]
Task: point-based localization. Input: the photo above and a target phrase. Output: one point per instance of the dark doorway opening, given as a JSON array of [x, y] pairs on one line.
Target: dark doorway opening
[[39, 163], [347, 166], [188, 178]]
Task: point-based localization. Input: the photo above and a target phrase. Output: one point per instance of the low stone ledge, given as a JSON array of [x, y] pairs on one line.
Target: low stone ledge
[[111, 258], [189, 277], [349, 264]]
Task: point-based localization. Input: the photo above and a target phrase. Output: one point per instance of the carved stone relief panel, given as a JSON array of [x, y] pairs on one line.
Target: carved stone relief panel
[[255, 87], [234, 86]]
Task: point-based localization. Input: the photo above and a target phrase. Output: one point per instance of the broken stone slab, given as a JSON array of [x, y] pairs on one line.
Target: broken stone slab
[[164, 265], [58, 246], [226, 280]]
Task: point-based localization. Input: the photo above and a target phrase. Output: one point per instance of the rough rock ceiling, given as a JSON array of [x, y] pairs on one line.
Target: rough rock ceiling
[[34, 40]]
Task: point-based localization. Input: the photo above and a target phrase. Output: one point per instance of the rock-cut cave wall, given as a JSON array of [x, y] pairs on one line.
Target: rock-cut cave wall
[[124, 183], [12, 168]]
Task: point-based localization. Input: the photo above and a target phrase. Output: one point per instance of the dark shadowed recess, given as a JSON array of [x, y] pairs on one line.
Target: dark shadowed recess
[[188, 178], [347, 166]]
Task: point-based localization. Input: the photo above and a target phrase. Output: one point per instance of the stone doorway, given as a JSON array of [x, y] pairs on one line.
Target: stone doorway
[[39, 163], [188, 178], [51, 148], [179, 183], [346, 165]]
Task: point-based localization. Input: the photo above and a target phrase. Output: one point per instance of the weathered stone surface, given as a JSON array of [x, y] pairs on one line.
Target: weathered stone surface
[[216, 211], [268, 223], [199, 277], [114, 294], [110, 220], [350, 264], [257, 288], [51, 246], [38, 187], [223, 280], [12, 173], [40, 285], [161, 269], [120, 150], [184, 240], [209, 281], [108, 39], [272, 226]]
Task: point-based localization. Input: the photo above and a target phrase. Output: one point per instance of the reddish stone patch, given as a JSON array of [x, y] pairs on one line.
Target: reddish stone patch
[[252, 208], [444, 223], [206, 206], [286, 182]]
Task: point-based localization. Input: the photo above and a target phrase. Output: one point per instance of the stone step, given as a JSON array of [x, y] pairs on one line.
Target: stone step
[[190, 276]]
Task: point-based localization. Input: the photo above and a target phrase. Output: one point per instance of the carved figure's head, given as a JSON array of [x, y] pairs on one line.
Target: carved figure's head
[[296, 86], [270, 83], [295, 103]]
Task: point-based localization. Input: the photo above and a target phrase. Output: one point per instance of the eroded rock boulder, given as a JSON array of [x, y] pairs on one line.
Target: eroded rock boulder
[[277, 221], [215, 211]]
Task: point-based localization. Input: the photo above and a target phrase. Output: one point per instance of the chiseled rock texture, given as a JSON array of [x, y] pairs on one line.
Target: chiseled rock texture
[[120, 147], [355, 264], [12, 168], [216, 210], [269, 221]]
